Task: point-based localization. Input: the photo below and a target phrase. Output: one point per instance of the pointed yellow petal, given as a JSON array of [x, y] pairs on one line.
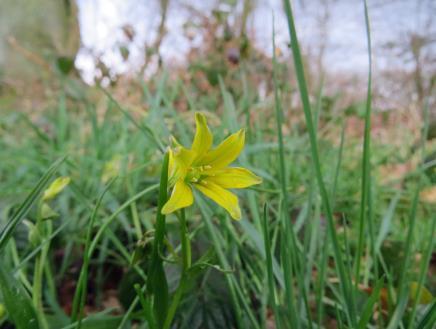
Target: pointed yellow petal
[[176, 169], [226, 152], [203, 137], [234, 178], [181, 197], [184, 157], [224, 198], [180, 159], [171, 164]]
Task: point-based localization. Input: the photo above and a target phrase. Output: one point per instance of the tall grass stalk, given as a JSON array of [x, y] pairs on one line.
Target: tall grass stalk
[[365, 203], [81, 288], [270, 276], [289, 247], [345, 283], [431, 239]]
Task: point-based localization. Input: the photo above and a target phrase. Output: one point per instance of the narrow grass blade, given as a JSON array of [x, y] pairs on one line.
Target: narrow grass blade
[[81, 289], [109, 221], [146, 306], [22, 211], [289, 248], [235, 289], [157, 283], [404, 283], [304, 94], [366, 170], [18, 303], [423, 270], [385, 225], [403, 295], [148, 132], [269, 267], [369, 306]]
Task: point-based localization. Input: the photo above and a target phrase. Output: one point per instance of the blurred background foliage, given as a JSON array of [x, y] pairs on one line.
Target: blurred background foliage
[[60, 96]]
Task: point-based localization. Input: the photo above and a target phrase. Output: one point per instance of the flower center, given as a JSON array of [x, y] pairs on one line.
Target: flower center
[[196, 174]]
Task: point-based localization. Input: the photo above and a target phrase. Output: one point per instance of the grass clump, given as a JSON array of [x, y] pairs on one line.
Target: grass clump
[[321, 243]]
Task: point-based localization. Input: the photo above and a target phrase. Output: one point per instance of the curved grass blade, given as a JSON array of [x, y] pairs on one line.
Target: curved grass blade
[[106, 224], [80, 294], [22, 211]]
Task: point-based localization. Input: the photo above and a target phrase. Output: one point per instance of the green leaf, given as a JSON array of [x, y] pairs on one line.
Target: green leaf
[[47, 212], [18, 303], [34, 235], [157, 283]]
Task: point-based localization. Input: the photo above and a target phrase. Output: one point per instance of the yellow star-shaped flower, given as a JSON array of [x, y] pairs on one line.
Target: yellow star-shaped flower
[[206, 169]]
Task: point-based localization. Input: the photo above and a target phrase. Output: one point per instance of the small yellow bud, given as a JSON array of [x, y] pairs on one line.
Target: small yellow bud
[[56, 187]]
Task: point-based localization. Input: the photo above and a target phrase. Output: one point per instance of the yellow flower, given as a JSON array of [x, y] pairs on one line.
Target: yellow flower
[[206, 169]]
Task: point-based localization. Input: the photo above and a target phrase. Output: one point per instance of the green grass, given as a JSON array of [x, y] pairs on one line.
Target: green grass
[[319, 230]]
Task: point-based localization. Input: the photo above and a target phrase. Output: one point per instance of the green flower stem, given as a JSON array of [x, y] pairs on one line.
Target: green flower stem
[[186, 264], [186, 243], [39, 268]]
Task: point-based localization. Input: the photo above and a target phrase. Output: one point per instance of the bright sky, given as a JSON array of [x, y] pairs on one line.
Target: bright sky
[[101, 22]]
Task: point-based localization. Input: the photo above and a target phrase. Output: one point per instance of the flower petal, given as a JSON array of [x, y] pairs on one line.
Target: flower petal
[[203, 137], [234, 178], [184, 157], [180, 159], [181, 197], [226, 152], [222, 197]]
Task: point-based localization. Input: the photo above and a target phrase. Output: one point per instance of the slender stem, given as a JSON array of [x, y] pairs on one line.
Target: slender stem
[[186, 243], [36, 289], [39, 270], [365, 209], [269, 266], [186, 264], [299, 69], [289, 250], [175, 303]]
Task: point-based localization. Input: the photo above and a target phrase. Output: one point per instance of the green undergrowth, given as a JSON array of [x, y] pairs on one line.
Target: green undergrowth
[[323, 242]]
